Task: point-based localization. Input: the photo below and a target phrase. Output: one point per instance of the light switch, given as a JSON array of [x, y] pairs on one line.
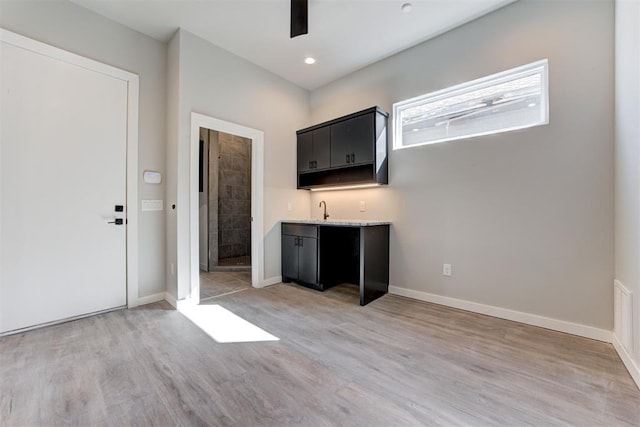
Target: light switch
[[363, 206], [152, 205]]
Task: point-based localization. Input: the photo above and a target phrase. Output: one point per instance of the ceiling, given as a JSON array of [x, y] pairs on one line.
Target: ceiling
[[344, 35]]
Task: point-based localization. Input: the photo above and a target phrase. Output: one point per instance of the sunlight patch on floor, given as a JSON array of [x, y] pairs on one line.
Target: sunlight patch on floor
[[224, 326]]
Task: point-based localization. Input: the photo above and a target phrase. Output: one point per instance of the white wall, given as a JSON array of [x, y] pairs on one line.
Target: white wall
[[73, 28], [627, 183], [216, 83], [173, 107], [526, 217]]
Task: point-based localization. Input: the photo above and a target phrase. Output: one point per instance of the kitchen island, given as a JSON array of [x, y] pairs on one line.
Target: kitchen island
[[323, 253]]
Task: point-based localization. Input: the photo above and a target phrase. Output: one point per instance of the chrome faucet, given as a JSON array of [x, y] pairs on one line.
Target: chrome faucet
[[326, 215]]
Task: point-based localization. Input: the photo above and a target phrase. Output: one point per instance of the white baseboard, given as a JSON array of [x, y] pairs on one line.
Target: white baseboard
[[503, 313], [270, 281], [171, 300], [626, 358], [149, 299], [623, 314]]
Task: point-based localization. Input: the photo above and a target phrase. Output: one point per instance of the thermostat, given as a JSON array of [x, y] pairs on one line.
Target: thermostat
[[152, 177]]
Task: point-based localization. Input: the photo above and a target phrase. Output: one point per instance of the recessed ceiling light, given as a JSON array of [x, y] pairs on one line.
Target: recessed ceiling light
[[309, 60], [406, 8]]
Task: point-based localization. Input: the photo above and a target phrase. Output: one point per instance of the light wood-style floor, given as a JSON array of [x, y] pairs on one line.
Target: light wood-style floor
[[394, 362], [216, 283]]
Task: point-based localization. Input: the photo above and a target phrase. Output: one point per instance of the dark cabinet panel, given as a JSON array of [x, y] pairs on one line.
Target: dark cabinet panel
[[305, 151], [308, 260], [322, 147], [314, 150], [290, 256], [302, 230], [352, 141]]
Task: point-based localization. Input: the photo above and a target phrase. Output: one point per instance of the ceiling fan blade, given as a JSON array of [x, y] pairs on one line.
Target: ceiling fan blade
[[299, 17]]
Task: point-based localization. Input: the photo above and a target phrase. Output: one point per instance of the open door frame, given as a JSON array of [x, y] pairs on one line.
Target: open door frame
[[257, 197]]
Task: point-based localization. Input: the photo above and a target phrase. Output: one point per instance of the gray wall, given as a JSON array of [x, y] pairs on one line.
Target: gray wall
[[216, 83], [234, 197], [628, 156], [73, 28], [525, 217]]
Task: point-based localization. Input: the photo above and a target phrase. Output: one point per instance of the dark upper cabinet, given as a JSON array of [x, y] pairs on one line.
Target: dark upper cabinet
[[305, 151], [352, 141], [322, 147], [345, 151], [314, 149]]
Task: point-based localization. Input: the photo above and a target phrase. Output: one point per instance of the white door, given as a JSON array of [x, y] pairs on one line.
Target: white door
[[62, 171]]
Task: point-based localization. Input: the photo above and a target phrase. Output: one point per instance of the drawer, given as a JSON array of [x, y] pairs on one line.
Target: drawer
[[301, 230]]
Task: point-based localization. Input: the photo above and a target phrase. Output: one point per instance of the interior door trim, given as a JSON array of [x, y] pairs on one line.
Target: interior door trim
[[189, 287], [132, 81]]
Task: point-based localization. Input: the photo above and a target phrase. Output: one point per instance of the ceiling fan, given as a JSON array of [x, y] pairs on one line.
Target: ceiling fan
[[299, 18]]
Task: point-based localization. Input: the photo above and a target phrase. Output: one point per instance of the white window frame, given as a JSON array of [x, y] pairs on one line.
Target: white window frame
[[541, 67]]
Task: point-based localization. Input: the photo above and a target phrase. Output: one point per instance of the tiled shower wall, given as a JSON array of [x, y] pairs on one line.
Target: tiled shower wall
[[234, 196]]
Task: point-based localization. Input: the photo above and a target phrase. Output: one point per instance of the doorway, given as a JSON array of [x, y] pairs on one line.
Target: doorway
[[208, 129], [224, 213]]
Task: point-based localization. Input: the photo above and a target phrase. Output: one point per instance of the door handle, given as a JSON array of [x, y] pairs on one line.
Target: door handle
[[116, 221]]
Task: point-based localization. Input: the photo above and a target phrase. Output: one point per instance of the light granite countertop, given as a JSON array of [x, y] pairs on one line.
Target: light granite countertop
[[338, 222]]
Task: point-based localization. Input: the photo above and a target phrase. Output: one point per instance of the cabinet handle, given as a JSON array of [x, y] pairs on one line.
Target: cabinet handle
[[353, 158], [315, 164], [310, 165], [348, 158], [301, 241]]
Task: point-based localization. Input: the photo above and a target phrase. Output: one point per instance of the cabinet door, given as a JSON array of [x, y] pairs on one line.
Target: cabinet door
[[289, 257], [308, 260], [305, 151], [322, 148], [352, 141]]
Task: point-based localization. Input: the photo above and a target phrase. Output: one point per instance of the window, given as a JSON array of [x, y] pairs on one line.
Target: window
[[513, 99]]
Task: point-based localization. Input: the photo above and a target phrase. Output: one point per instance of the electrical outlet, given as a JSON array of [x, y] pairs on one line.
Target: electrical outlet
[[363, 206], [289, 206], [446, 270]]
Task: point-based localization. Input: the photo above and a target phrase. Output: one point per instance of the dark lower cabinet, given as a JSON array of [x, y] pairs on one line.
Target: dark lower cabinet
[[322, 256], [300, 254]]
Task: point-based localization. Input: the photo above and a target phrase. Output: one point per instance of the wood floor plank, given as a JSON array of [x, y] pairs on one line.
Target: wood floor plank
[[394, 362]]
